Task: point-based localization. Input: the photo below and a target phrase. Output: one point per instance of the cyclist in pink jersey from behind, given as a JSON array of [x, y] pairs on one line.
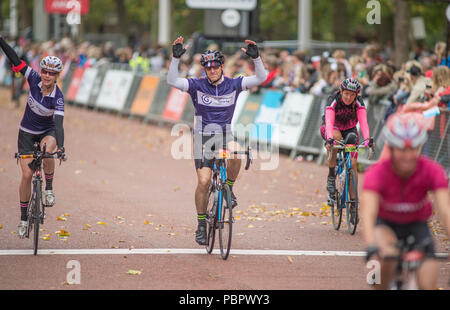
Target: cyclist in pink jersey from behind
[[394, 200]]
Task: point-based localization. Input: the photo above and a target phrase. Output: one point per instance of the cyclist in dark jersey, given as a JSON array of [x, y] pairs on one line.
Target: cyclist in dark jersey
[[342, 113], [214, 98], [394, 200], [42, 122]]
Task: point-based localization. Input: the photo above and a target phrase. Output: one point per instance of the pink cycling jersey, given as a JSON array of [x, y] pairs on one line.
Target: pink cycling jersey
[[404, 201]]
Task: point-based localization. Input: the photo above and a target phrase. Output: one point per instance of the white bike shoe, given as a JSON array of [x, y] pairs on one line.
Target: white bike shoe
[[22, 229], [49, 198]]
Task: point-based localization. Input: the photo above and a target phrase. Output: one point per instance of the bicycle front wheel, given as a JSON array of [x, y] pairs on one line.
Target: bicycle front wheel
[[352, 203], [36, 211], [336, 211], [211, 220], [225, 222]]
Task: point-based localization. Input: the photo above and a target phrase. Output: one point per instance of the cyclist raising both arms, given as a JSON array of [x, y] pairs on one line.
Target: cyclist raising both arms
[[214, 98], [42, 122], [394, 201], [342, 113]]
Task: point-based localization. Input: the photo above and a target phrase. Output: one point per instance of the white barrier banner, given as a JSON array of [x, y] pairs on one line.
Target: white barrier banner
[[86, 85], [240, 103], [115, 89], [293, 116]]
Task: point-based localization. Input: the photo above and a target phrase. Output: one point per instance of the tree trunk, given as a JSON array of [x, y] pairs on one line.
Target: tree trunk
[[122, 15], [401, 32], [340, 20]]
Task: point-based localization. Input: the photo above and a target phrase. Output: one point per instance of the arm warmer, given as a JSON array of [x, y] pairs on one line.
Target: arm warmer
[[329, 122], [59, 130], [361, 113], [172, 76], [259, 77], [18, 64]]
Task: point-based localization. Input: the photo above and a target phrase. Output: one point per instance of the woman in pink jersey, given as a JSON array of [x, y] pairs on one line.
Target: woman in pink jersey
[[394, 201], [342, 113]]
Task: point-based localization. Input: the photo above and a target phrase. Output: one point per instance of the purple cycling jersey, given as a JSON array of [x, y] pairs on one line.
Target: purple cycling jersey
[[39, 111], [214, 105]]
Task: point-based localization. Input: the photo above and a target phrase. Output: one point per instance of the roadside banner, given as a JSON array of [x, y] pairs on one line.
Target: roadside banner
[[296, 107], [115, 88], [268, 117], [175, 105], [75, 84], [87, 82], [144, 96]]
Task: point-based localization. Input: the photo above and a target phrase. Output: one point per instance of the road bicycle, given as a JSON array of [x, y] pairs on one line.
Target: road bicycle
[[219, 213], [345, 178], [410, 258], [36, 206]]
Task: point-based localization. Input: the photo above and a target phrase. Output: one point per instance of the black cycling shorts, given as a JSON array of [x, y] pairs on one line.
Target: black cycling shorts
[[26, 141], [205, 145], [419, 230]]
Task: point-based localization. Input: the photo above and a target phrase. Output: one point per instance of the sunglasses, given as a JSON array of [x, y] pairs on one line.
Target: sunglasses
[[43, 71]]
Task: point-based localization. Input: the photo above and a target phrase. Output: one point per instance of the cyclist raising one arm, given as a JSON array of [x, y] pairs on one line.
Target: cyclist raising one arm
[[42, 122], [394, 202], [214, 98]]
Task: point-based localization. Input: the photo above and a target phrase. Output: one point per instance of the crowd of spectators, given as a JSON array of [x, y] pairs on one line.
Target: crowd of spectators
[[416, 85]]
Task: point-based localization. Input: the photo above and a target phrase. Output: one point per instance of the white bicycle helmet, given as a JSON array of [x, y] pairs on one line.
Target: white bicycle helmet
[[51, 63]]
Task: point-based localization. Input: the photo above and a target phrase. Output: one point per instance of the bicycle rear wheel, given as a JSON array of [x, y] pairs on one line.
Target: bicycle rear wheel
[[211, 220], [352, 204], [225, 222]]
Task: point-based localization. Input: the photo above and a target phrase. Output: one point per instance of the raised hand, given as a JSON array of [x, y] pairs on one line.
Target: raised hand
[[177, 47], [252, 49]]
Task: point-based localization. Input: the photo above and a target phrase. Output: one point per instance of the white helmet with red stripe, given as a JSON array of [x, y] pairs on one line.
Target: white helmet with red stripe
[[405, 130]]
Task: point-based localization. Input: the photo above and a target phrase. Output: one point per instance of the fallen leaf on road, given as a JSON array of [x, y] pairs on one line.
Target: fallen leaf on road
[[101, 223], [62, 233], [290, 259], [134, 272], [61, 218], [1, 226]]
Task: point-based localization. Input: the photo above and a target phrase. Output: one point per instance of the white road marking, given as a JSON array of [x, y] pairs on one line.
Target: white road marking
[[176, 251], [182, 252]]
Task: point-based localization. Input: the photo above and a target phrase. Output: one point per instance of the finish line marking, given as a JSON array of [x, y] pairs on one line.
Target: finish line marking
[[184, 251], [177, 251]]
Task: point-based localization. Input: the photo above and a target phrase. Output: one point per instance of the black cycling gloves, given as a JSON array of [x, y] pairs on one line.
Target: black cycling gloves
[[252, 51], [178, 50]]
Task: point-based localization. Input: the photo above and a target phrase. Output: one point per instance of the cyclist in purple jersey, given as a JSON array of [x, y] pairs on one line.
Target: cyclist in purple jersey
[[214, 98], [42, 122]]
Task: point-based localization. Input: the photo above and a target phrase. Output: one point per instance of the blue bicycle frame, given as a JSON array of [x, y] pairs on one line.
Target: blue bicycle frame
[[223, 178]]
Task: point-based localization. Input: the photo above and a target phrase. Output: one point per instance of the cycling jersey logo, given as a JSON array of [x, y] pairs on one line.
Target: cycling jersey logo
[[206, 99], [216, 101], [38, 108]]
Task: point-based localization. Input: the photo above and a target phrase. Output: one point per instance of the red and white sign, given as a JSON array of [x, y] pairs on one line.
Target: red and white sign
[[67, 6]]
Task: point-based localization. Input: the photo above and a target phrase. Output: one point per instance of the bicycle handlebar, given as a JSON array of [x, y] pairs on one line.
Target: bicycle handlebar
[[342, 146], [219, 154]]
